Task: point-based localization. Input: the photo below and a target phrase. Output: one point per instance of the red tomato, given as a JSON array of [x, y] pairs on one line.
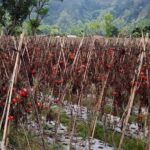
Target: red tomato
[[72, 56], [39, 104], [110, 52], [114, 93], [33, 72], [10, 118], [46, 107], [14, 100], [109, 66], [141, 73], [23, 92], [56, 101], [28, 111]]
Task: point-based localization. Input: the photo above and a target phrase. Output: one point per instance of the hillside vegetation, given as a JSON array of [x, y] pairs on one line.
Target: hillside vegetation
[[79, 12]]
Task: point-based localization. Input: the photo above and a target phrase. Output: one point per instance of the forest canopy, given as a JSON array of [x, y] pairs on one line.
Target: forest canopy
[[76, 17]]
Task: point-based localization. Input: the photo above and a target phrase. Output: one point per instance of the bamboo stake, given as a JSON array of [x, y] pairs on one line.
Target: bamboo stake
[[5, 70], [132, 95], [81, 94], [5, 107], [10, 95], [77, 54], [100, 99]]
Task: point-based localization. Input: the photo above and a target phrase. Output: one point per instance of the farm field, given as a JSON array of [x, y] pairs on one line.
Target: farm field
[[87, 93]]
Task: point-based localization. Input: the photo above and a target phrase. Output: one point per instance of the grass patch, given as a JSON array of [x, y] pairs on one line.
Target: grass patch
[[82, 129], [56, 147], [107, 109], [17, 139], [114, 139], [132, 118], [64, 119]]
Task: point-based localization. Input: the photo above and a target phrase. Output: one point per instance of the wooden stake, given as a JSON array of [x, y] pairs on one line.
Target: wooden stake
[[10, 94]]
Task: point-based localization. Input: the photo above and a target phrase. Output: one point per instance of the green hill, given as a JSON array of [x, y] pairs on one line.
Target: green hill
[[71, 12]]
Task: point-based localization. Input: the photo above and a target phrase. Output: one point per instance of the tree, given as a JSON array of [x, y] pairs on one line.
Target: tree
[[2, 14], [110, 29], [76, 30], [50, 30], [92, 28], [54, 30], [39, 11], [17, 10], [142, 26], [137, 32]]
